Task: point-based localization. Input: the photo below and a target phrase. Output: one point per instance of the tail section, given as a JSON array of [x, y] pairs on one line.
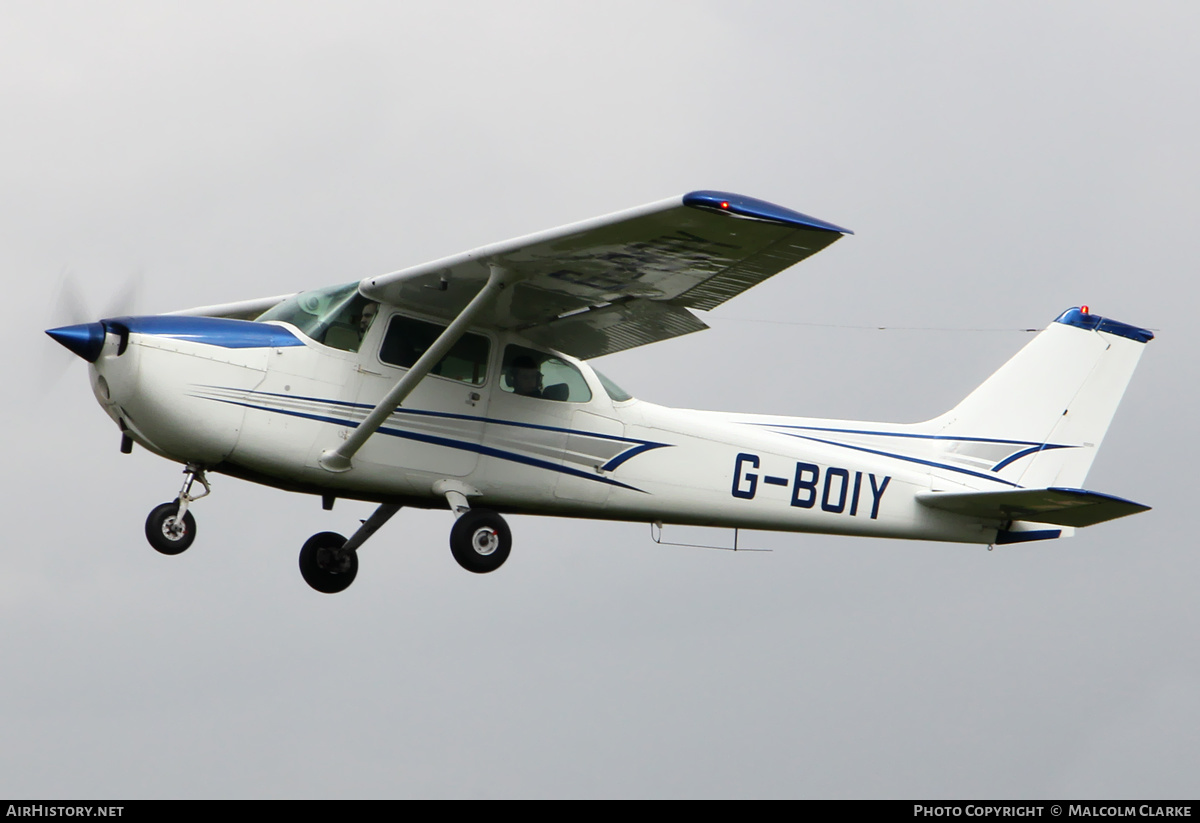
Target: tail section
[[1042, 416]]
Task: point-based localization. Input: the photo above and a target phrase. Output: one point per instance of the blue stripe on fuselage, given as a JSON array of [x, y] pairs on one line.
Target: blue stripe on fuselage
[[903, 457], [448, 443], [210, 331], [1033, 448]]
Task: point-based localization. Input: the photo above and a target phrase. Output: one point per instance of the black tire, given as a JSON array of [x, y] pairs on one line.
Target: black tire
[[164, 532], [480, 541], [324, 566]]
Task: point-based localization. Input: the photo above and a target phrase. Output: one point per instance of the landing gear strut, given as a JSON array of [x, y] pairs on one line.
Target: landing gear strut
[[170, 528], [480, 541]]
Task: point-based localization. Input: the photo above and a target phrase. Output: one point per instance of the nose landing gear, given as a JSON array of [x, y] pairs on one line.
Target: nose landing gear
[[169, 533], [170, 528]]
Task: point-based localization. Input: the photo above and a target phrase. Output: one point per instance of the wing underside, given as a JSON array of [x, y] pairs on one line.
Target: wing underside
[[619, 281]]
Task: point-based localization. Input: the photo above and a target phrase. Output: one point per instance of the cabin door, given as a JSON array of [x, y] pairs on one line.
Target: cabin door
[[439, 427]]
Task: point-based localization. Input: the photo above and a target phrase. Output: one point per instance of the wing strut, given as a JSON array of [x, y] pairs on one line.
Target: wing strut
[[338, 460]]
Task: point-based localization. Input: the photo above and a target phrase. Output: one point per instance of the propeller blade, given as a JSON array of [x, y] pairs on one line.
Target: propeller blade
[[69, 306], [124, 302], [75, 327]]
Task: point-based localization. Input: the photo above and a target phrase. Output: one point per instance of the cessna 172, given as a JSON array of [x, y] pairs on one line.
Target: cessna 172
[[463, 383]]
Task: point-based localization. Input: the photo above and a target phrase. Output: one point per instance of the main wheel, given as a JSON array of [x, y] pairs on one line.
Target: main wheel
[[480, 541], [166, 532], [325, 566]]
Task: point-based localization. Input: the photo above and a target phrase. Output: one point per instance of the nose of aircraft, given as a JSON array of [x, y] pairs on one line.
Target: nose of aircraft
[[85, 339]]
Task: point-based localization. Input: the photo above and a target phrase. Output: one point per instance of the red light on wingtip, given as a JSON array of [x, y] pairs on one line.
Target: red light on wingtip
[[1084, 309], [724, 204]]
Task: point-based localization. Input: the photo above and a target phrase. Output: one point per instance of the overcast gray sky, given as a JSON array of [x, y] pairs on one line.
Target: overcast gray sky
[[998, 164]]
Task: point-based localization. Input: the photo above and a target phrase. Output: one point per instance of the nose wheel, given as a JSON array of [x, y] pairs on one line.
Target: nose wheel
[[169, 533], [170, 528], [480, 541]]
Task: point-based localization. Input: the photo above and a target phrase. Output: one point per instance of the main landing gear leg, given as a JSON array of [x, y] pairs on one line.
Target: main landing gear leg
[[170, 528], [329, 562], [480, 539]]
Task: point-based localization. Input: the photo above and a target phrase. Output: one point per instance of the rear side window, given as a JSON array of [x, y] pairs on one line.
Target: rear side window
[[407, 339]]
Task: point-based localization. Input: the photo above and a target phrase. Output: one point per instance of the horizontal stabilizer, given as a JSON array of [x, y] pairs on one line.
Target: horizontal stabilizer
[[1062, 507]]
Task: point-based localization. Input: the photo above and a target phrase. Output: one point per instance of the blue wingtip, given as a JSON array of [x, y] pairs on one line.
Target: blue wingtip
[[1080, 319], [760, 209], [85, 339]]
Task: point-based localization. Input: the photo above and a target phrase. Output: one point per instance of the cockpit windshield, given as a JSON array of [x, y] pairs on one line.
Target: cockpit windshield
[[337, 316]]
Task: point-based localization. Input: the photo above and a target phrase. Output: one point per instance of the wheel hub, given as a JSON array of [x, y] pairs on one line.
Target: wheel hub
[[485, 541], [173, 528], [333, 560]]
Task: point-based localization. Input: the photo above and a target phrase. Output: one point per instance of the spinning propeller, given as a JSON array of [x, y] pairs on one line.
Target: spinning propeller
[[80, 336], [75, 329]]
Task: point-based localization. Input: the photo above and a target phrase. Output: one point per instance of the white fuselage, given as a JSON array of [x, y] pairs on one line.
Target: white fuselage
[[268, 413]]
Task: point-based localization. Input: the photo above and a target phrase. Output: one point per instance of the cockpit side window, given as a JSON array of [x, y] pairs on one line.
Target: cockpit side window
[[537, 374], [407, 339], [337, 316]]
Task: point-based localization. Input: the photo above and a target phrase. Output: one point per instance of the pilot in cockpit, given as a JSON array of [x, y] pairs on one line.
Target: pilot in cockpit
[[364, 319], [525, 377]]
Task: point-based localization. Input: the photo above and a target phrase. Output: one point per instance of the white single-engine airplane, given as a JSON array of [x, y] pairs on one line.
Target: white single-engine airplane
[[462, 383]]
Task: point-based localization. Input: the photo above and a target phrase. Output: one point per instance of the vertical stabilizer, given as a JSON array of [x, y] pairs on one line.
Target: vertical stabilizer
[[1053, 401]]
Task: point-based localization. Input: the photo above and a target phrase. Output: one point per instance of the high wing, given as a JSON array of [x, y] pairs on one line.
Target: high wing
[[623, 280]]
